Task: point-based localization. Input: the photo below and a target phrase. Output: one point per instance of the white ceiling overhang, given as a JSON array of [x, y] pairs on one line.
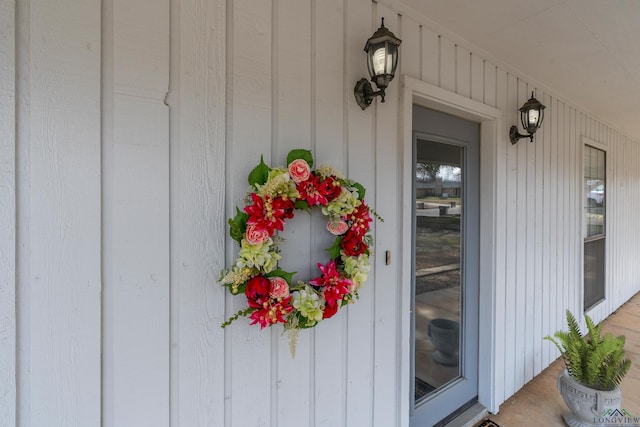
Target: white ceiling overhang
[[584, 51]]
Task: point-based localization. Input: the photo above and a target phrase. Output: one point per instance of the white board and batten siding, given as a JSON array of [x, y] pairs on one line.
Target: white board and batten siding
[[7, 214], [136, 124]]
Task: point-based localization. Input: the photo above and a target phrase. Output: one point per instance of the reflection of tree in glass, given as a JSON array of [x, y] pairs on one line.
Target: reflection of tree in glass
[[450, 173], [428, 172]]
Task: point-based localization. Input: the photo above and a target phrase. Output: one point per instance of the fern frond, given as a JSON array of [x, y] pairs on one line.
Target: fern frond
[[594, 360]]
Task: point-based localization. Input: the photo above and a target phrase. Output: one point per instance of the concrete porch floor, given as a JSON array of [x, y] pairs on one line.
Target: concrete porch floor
[[539, 403]]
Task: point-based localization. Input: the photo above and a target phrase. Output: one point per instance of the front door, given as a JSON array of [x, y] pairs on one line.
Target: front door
[[445, 242]]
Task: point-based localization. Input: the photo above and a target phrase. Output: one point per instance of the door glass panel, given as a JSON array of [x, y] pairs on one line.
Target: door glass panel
[[438, 249]]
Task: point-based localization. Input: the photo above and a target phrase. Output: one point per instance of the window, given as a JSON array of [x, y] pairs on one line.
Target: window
[[594, 233]]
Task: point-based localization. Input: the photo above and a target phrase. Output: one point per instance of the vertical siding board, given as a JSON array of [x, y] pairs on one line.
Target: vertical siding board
[[572, 288], [614, 270], [512, 283], [562, 214], [546, 310], [7, 214], [574, 206], [386, 363], [477, 78], [555, 308], [139, 343], [410, 57], [361, 155], [447, 78], [531, 237], [502, 283], [463, 71], [522, 253], [292, 121], [611, 277], [137, 199], [59, 302], [538, 268], [490, 82], [141, 38], [430, 56], [198, 225], [331, 338], [250, 131]]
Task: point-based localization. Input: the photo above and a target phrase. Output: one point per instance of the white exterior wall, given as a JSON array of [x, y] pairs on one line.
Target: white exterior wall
[[136, 124]]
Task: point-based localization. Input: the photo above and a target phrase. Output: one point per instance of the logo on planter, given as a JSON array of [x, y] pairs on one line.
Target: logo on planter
[[616, 417]]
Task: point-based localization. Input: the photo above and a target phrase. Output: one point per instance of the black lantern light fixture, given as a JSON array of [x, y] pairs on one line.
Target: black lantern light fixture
[[382, 60], [531, 116]]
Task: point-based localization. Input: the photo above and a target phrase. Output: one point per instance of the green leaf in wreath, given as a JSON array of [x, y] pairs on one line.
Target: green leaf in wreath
[[238, 225], [303, 205], [259, 174], [360, 189], [334, 251], [299, 153], [288, 276]]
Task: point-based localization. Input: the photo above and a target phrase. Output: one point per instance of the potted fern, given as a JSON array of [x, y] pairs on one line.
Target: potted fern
[[595, 366]]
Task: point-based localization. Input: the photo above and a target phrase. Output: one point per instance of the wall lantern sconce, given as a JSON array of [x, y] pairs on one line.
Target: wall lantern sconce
[[531, 116], [382, 60]]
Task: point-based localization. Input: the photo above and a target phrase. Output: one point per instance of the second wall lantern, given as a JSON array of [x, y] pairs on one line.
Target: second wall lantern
[[531, 116], [382, 60]]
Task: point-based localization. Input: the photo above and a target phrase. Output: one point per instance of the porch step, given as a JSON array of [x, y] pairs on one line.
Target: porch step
[[469, 418]]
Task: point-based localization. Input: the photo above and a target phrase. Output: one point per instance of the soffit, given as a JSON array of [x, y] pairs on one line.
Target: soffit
[[585, 51]]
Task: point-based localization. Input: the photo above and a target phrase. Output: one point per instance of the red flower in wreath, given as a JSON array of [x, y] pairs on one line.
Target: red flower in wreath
[[335, 286], [257, 291], [360, 220], [269, 213], [352, 244], [269, 310], [329, 311], [330, 188], [310, 190]]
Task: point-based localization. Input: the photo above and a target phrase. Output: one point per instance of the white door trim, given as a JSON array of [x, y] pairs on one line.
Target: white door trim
[[491, 125]]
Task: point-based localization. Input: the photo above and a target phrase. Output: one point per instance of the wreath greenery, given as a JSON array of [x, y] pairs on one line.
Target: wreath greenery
[[275, 193]]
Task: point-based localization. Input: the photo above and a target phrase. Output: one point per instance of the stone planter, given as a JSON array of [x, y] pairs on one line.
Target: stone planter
[[587, 405]]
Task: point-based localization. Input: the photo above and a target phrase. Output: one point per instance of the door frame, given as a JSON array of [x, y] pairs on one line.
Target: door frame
[[417, 92]]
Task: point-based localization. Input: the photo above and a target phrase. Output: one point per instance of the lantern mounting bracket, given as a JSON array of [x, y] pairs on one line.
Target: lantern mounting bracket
[[364, 93], [514, 135]]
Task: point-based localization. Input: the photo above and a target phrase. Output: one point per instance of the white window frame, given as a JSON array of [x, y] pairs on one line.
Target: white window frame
[[588, 142]]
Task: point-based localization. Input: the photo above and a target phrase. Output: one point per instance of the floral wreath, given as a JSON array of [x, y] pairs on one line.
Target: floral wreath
[[274, 195]]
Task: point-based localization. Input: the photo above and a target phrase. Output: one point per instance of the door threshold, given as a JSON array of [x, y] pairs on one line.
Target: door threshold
[[470, 417]]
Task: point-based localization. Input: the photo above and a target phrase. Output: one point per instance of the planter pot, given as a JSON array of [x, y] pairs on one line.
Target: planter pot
[[445, 336], [587, 405]]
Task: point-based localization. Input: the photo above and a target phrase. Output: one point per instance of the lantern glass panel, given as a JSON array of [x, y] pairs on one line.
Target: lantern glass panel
[[382, 62], [379, 61]]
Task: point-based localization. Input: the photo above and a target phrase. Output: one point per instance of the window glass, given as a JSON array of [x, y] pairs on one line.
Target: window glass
[[595, 215], [594, 191]]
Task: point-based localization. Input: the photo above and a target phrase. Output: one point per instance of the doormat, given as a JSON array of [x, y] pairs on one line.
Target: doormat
[[487, 423], [422, 388]]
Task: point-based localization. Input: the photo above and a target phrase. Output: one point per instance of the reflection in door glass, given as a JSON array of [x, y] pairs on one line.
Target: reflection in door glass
[[438, 248]]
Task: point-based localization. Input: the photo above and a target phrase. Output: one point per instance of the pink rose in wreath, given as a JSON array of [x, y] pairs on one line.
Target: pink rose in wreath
[[299, 170], [279, 287], [337, 228], [256, 235]]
